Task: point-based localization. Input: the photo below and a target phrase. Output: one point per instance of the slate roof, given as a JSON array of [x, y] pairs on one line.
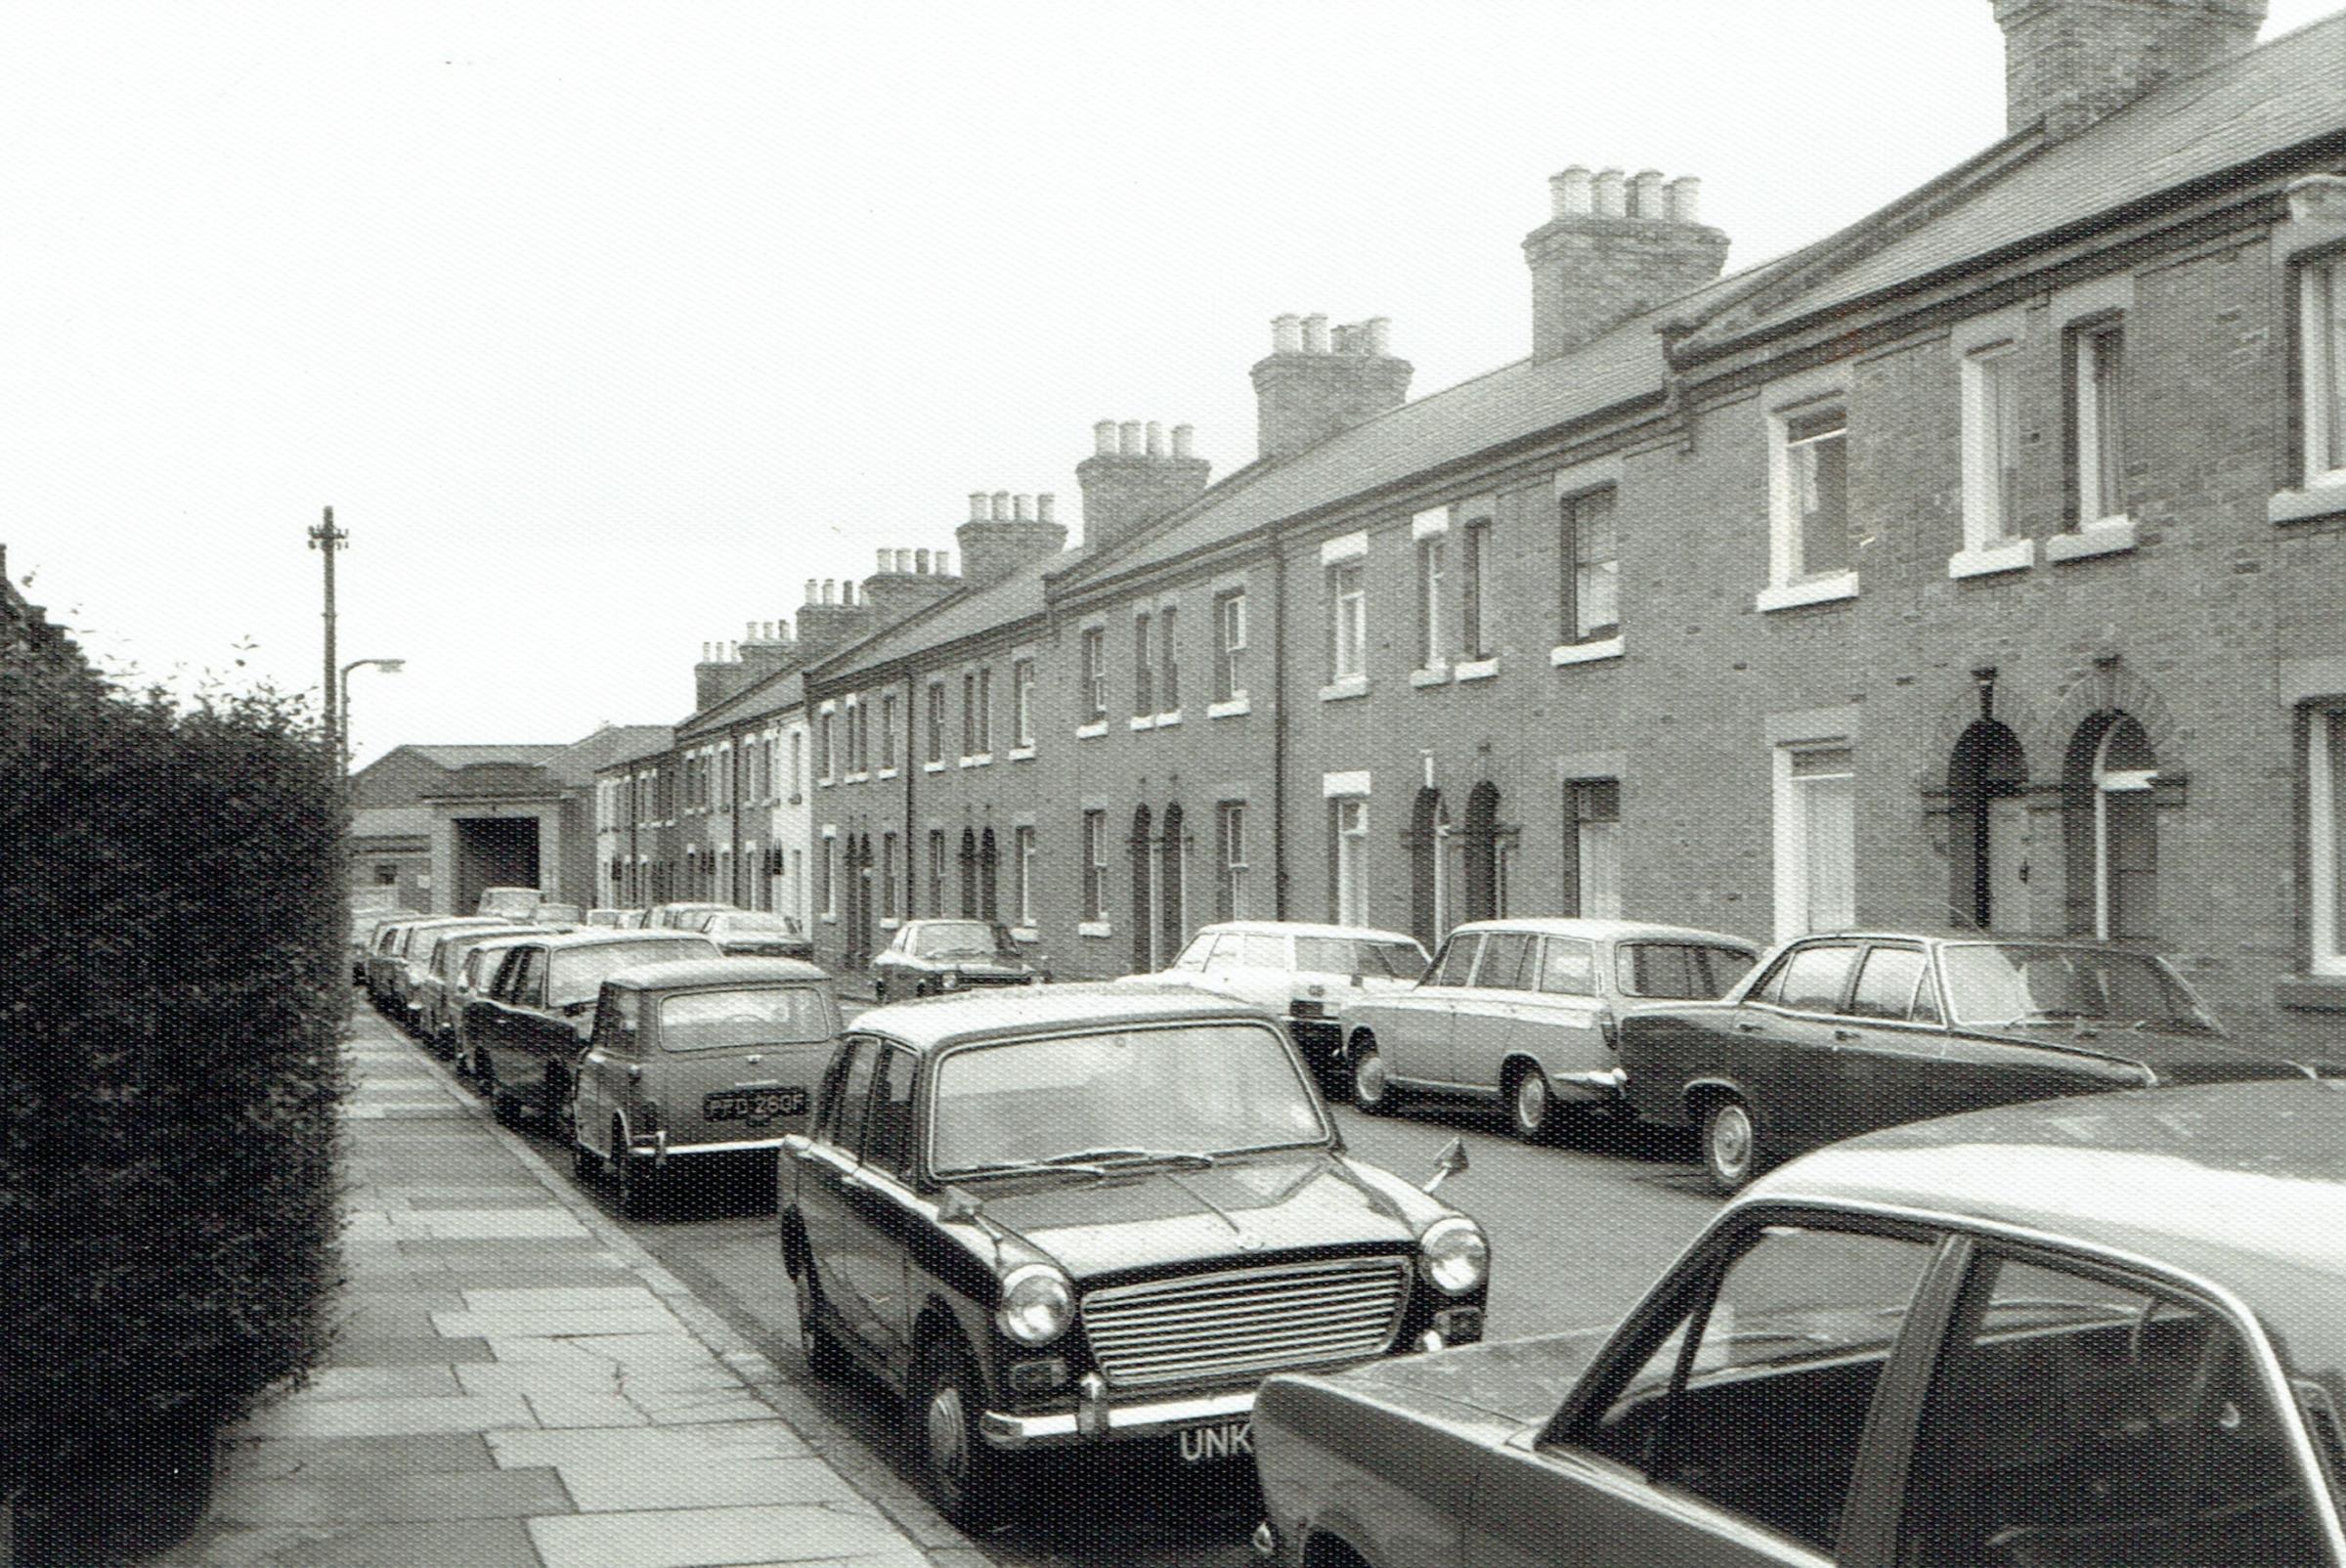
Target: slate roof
[[767, 694], [454, 756], [966, 613], [391, 822]]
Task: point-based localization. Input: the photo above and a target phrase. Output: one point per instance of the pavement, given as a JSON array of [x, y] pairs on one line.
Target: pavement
[[514, 1383]]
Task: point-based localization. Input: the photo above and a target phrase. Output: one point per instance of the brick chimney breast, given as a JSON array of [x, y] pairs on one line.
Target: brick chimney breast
[[830, 620], [1126, 486], [1318, 382], [903, 587], [999, 540], [2070, 63], [1614, 248]]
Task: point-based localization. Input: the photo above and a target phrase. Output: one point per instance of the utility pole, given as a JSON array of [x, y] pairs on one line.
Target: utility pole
[[327, 539]]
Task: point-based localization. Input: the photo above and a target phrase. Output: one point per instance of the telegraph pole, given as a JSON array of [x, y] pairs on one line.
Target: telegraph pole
[[327, 539]]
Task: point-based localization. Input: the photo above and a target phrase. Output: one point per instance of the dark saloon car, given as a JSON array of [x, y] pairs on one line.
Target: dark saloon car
[[931, 957], [1094, 1215], [755, 934], [698, 1058], [2096, 1333], [1835, 1035], [526, 1033]]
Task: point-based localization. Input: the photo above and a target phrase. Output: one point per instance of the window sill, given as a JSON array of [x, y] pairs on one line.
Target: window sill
[[1811, 591], [1022, 754], [889, 923], [1095, 928], [888, 772], [798, 800], [1093, 731], [2112, 535], [1025, 934], [2311, 993], [1168, 718], [1343, 687], [2326, 499], [1475, 669], [1986, 560], [1433, 674], [824, 783], [859, 778], [933, 767], [978, 759], [1141, 721], [1236, 707], [828, 920], [1595, 652]]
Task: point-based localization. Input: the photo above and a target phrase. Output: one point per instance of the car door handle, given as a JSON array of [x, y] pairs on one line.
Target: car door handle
[[1751, 1028], [1845, 1034]]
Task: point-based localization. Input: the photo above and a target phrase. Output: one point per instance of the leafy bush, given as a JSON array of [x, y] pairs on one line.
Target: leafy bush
[[171, 997]]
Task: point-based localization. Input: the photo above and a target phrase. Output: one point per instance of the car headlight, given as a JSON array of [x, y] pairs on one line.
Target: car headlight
[[1456, 1256], [951, 979], [1037, 1304]]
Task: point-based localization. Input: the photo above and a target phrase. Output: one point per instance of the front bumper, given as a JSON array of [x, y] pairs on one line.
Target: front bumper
[[1605, 1086], [1155, 1417]]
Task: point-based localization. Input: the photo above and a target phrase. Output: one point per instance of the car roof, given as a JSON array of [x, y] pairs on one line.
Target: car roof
[[1299, 928], [2240, 1184], [1605, 930], [1007, 1014], [679, 974], [604, 935]]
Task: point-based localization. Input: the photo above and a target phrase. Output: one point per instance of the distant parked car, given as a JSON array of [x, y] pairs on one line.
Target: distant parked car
[[387, 973], [408, 983], [1305, 973], [474, 976], [620, 919], [1094, 1216], [1838, 1034], [931, 957], [1526, 1012], [559, 914], [693, 1059], [679, 915], [436, 995], [527, 1032], [365, 926], [514, 903], [2085, 1333], [757, 934]]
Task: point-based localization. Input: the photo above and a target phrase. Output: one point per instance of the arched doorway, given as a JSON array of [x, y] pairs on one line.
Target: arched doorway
[[1144, 899], [1172, 888], [1429, 870], [1987, 778], [989, 875], [1481, 855], [2110, 829], [969, 874]]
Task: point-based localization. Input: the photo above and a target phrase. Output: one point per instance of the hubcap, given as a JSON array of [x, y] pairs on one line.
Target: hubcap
[[1369, 1075], [1731, 1140], [948, 1435], [1531, 1100]]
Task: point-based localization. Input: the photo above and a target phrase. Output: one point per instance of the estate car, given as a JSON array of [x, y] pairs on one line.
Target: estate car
[[1527, 1012], [2096, 1333], [1843, 1033], [1306, 973], [1094, 1215], [697, 1058]]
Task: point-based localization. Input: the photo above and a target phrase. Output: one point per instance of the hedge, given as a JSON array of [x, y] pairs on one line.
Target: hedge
[[172, 991]]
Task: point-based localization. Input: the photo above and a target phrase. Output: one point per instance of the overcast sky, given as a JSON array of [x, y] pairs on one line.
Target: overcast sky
[[602, 327]]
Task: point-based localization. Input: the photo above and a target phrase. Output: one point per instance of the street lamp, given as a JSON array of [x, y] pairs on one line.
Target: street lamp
[[342, 697]]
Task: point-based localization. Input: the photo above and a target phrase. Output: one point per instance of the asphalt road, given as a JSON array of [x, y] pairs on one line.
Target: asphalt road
[[1578, 1227]]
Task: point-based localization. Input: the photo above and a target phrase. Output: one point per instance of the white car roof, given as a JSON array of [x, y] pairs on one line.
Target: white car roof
[[1609, 931], [1297, 928]]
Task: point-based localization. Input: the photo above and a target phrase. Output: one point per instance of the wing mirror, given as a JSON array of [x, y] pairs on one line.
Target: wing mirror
[[959, 1206], [1447, 1164]]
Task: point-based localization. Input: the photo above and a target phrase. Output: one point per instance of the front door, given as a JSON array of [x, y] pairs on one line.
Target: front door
[[2008, 912]]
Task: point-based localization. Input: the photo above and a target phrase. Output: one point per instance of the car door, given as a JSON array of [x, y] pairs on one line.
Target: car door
[[612, 1051], [1485, 1016], [491, 1016], [830, 1171], [1728, 1423], [1259, 971], [1412, 1029], [1889, 1058], [1560, 1018], [1784, 1039], [882, 1212]]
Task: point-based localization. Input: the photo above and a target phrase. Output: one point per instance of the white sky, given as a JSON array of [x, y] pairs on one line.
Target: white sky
[[602, 327]]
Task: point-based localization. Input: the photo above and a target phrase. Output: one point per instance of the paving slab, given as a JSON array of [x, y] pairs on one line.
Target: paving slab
[[390, 1417], [396, 1498], [418, 1454], [610, 1487], [443, 1544], [380, 1382], [597, 1321], [706, 1538], [648, 1446], [556, 1299], [403, 1350]]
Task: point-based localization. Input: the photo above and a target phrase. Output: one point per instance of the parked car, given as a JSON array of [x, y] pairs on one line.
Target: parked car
[[1838, 1034], [621, 919], [527, 1029], [365, 926], [757, 934], [387, 976], [1305, 973], [559, 914], [436, 995], [374, 972], [693, 1059], [1527, 1012], [403, 992], [2089, 1331], [474, 976], [931, 957], [679, 915], [1095, 1215], [514, 903]]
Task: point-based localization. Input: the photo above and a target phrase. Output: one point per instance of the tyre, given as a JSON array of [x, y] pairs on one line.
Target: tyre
[[1730, 1143], [558, 1110], [1531, 1103], [585, 1163], [963, 1474], [879, 993], [826, 1357], [1370, 1090], [638, 1182]]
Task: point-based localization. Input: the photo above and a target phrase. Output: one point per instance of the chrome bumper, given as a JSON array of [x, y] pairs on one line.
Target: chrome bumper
[[1589, 1087], [653, 1146], [1124, 1423]]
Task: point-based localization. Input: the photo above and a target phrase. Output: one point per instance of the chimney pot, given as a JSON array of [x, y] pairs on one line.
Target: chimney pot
[[1001, 512], [1339, 339], [1686, 200], [733, 653], [1573, 192], [1025, 504], [830, 590], [751, 635], [1104, 438], [919, 558], [978, 506], [1128, 438], [1315, 333], [812, 590], [1286, 334], [1649, 198], [781, 630], [1184, 437], [888, 559], [1156, 439], [1380, 335], [1046, 503], [904, 562], [1612, 194], [944, 563]]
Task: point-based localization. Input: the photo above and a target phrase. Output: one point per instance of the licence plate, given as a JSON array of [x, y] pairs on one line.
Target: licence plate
[[753, 1104], [1223, 1440]]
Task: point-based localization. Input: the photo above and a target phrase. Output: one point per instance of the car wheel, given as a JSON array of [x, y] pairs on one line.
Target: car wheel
[[1730, 1143], [879, 993], [1370, 1090], [558, 1111], [506, 1107], [637, 1181], [585, 1163], [962, 1471], [826, 1357], [1531, 1103]]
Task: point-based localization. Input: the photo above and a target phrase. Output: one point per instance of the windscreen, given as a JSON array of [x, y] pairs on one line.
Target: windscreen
[[942, 938]]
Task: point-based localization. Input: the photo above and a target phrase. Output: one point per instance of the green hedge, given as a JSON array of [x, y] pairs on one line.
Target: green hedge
[[172, 988]]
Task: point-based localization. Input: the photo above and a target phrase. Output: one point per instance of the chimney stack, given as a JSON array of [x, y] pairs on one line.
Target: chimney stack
[[1318, 382], [1017, 530], [721, 672], [2070, 63], [905, 585], [1133, 483], [1611, 248], [830, 620]]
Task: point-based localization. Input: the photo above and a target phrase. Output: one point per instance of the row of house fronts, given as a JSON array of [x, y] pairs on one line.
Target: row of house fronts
[[1978, 566]]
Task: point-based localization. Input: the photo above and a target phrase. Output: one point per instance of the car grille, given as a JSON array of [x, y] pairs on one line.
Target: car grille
[[1245, 1322], [994, 980]]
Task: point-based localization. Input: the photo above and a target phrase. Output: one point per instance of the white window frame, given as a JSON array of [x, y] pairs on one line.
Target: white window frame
[[830, 869], [2326, 922], [1230, 660], [2093, 414], [1092, 644], [1348, 620], [1792, 842], [1431, 657], [2321, 357], [1021, 704], [1023, 856], [1991, 441], [1230, 829], [1348, 828], [1095, 921], [1788, 582]]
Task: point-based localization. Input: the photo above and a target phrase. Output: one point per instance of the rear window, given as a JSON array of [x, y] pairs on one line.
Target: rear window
[[1348, 955], [1679, 972], [719, 1021], [578, 975]]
